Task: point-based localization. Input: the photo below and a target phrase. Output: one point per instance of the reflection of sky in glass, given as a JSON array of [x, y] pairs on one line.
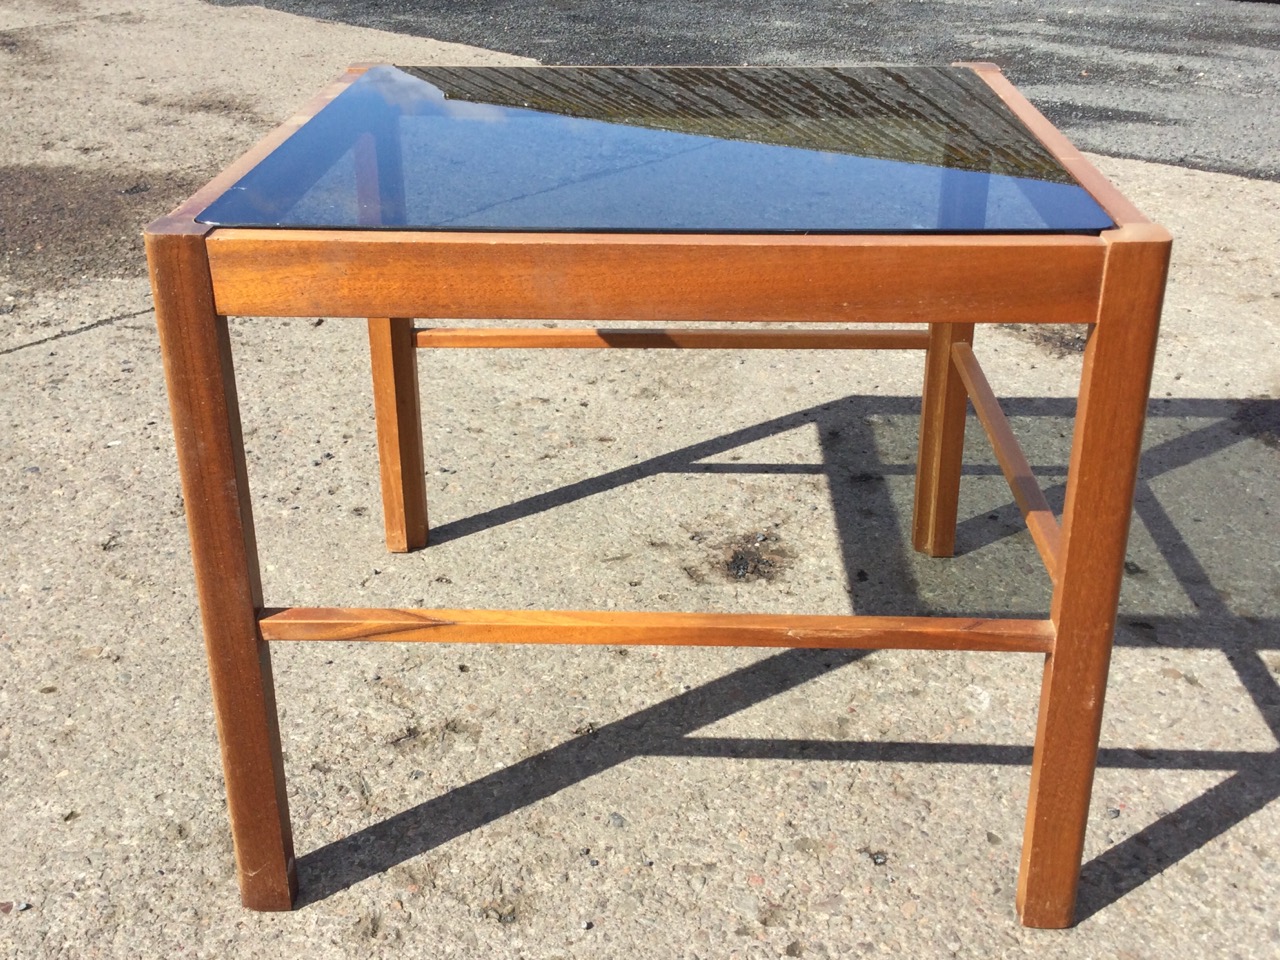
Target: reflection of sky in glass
[[393, 152]]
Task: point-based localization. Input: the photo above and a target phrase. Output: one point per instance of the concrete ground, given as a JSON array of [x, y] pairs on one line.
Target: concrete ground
[[559, 802]]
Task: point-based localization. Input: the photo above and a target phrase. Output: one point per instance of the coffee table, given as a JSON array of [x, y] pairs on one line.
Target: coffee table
[[932, 199]]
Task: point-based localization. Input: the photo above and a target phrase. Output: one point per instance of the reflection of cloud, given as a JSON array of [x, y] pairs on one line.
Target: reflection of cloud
[[401, 90], [412, 95], [484, 112]]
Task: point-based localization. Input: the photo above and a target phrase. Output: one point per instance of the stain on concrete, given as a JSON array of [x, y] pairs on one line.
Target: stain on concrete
[[23, 47], [216, 103], [753, 556], [1259, 417], [61, 223], [1056, 339]]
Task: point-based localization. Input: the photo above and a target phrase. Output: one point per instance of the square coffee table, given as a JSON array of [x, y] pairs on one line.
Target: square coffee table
[[931, 199]]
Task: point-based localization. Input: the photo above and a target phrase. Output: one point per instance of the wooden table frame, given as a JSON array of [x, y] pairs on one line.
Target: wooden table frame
[[942, 284]]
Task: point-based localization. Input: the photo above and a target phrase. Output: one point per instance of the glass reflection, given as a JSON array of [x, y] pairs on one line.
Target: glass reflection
[[759, 150]]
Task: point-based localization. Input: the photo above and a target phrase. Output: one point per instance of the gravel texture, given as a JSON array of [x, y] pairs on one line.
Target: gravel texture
[[1189, 82]]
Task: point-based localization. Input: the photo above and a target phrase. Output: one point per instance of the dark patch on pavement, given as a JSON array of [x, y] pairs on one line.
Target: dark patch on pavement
[[213, 103], [61, 223], [1075, 113], [1056, 339], [23, 47], [754, 556], [1259, 418]]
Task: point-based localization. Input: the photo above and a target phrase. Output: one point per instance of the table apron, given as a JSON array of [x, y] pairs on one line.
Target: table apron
[[824, 279]]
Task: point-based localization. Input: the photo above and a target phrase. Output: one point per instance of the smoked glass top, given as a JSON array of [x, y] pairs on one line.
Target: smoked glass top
[[674, 149]]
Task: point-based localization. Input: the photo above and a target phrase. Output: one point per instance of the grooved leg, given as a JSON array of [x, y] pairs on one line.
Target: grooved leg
[[206, 422], [1100, 484], [942, 420], [400, 459]]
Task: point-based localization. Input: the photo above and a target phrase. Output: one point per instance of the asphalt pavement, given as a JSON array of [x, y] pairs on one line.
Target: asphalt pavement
[[1187, 82]]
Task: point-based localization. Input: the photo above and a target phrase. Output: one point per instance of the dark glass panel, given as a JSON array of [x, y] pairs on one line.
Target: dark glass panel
[[764, 149]]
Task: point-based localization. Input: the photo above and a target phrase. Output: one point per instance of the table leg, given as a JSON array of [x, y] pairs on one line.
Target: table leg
[[1100, 484], [380, 192], [400, 457], [196, 348], [942, 420]]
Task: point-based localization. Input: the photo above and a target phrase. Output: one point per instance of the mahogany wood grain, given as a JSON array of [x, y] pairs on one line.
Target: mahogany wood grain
[[667, 629], [1027, 494], [941, 445], [399, 421], [672, 338], [1100, 484], [202, 399], [650, 277]]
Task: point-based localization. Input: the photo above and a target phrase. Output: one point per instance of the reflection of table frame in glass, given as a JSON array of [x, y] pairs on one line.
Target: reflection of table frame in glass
[[945, 283]]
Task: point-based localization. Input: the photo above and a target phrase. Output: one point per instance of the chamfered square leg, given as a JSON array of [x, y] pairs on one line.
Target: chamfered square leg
[[1100, 484], [941, 451], [206, 421], [400, 457]]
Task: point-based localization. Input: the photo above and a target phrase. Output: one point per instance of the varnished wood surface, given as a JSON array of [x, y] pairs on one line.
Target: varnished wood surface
[[1041, 522], [196, 350], [399, 423], [667, 629], [671, 338], [941, 444], [657, 277], [1100, 484]]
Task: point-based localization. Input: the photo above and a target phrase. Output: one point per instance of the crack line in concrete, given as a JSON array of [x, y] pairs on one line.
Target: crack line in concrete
[[71, 333]]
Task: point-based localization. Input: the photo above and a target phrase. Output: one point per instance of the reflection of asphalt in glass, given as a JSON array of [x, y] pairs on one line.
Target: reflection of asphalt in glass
[[577, 181]]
